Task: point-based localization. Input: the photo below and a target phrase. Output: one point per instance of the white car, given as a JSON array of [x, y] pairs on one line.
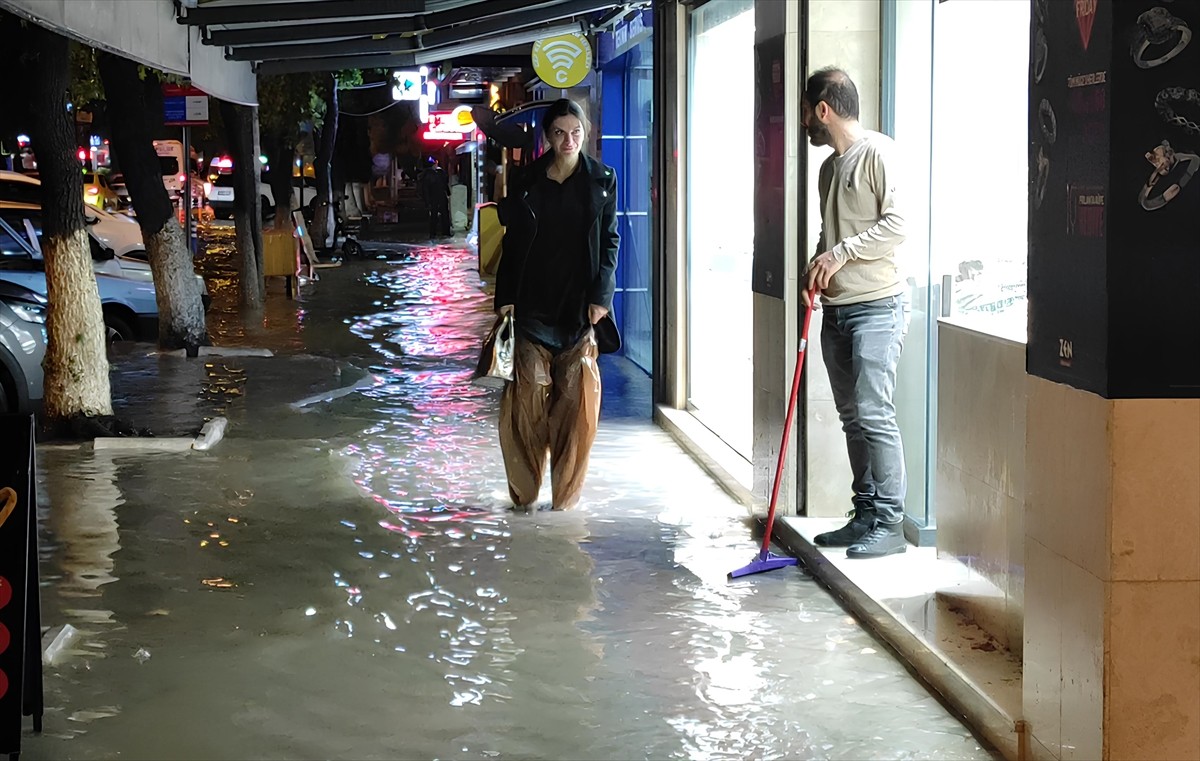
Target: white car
[[110, 232], [220, 195]]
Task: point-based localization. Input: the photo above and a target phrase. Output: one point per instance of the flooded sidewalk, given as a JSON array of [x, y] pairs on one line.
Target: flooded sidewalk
[[343, 577]]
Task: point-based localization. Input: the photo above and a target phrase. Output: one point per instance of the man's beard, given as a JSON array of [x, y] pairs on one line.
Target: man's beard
[[818, 134]]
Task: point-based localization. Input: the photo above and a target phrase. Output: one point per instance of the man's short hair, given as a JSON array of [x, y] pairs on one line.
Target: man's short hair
[[836, 88]]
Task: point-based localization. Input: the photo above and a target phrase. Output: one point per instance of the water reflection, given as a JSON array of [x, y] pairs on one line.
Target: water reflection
[[451, 547], [347, 579], [83, 539]]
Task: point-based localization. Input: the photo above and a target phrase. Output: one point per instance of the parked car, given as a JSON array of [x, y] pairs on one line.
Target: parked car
[[126, 283], [98, 193], [117, 232], [172, 165], [117, 183], [220, 195], [22, 347], [116, 240], [19, 187]]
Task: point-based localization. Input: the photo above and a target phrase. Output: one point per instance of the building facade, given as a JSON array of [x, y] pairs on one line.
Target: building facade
[[1026, 468]]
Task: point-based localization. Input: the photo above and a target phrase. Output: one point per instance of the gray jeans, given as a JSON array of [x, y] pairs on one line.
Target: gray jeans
[[861, 346]]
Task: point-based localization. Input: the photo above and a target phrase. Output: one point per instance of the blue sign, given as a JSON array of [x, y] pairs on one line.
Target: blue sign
[[625, 36], [174, 108]]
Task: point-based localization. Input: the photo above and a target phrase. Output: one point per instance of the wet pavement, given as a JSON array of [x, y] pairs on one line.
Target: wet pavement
[[342, 576]]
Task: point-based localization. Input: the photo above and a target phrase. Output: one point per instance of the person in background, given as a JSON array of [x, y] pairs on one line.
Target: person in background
[[556, 277], [856, 277], [435, 192]]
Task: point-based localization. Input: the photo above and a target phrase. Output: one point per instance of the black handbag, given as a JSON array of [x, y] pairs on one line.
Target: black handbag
[[608, 338]]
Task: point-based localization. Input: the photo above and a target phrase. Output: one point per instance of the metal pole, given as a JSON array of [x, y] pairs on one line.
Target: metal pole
[[186, 201]]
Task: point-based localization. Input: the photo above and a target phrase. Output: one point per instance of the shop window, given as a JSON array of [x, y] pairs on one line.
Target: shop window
[[720, 219], [979, 183]]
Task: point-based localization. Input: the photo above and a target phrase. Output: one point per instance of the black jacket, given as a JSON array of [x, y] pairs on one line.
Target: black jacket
[[520, 227], [435, 186]]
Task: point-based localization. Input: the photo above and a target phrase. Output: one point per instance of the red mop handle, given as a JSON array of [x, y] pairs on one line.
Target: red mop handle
[[787, 425]]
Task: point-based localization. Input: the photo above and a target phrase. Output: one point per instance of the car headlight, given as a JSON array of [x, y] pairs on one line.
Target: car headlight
[[29, 312]]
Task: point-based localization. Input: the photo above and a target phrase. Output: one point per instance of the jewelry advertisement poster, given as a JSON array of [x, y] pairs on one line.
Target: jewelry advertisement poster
[[1070, 110], [1114, 201], [1168, 63], [1154, 198]]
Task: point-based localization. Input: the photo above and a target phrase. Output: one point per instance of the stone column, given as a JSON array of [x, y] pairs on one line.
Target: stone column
[[1112, 524]]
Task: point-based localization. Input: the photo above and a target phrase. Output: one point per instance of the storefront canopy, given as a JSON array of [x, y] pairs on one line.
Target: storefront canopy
[[331, 35], [145, 31]]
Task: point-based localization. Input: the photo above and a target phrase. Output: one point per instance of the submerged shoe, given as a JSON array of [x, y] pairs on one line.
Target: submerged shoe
[[860, 524], [883, 539]]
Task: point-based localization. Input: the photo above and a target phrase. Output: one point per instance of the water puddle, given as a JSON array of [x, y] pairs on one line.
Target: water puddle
[[342, 576]]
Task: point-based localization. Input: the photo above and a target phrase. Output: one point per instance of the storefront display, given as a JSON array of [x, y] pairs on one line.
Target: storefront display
[[720, 220]]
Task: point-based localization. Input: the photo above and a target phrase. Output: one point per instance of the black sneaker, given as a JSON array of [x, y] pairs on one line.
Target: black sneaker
[[883, 539], [861, 521]]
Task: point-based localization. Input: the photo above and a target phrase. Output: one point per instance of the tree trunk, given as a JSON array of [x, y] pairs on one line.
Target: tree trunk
[[180, 308], [76, 364], [256, 220], [323, 221], [240, 138], [281, 178]]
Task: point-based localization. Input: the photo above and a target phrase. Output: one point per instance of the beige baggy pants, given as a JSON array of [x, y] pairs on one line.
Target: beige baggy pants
[[552, 407]]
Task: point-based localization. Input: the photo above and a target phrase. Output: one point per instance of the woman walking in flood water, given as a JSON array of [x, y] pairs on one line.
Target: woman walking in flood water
[[556, 277]]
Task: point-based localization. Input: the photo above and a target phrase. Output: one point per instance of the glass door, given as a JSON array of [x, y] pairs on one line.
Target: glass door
[[720, 219]]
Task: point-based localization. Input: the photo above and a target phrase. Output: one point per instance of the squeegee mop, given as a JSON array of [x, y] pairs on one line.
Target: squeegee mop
[[767, 560]]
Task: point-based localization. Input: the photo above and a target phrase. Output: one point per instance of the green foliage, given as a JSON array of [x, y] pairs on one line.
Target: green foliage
[[86, 86], [286, 100]]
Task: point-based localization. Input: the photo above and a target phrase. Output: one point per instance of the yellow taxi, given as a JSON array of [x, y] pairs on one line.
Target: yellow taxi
[[98, 193]]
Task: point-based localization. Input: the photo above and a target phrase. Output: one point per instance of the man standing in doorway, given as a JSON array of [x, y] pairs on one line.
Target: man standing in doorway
[[435, 189], [859, 284]]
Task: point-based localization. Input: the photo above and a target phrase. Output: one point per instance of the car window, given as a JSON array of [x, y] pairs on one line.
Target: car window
[[9, 245], [139, 255], [169, 165], [99, 252], [15, 221], [31, 222], [20, 192], [88, 178], [224, 181]]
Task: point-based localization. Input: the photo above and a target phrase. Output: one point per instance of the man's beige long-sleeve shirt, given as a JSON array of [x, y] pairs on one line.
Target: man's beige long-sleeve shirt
[[860, 216]]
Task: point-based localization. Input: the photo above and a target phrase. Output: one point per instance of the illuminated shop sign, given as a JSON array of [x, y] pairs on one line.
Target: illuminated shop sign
[[453, 125], [409, 85]]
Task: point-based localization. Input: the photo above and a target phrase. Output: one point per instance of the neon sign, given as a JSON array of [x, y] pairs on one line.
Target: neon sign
[[453, 125]]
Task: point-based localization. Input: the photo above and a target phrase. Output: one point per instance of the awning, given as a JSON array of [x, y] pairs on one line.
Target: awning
[[145, 31], [331, 35]]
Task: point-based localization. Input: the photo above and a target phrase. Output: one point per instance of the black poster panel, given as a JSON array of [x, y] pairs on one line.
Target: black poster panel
[[769, 151], [1069, 107], [1154, 203], [20, 624]]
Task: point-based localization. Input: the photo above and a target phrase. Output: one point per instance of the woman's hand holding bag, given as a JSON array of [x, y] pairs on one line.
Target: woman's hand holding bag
[[496, 360]]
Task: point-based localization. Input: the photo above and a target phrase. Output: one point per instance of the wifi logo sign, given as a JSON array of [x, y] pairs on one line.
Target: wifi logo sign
[[562, 61]]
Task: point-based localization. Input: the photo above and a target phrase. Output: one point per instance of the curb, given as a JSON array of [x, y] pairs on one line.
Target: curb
[[974, 707], [142, 443], [210, 435]]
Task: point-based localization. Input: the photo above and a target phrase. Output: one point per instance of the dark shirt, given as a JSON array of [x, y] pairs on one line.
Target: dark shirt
[[435, 186], [553, 308]]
